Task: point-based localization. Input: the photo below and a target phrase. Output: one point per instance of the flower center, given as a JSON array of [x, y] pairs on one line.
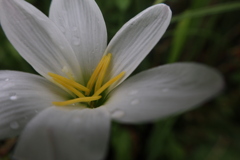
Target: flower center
[[93, 90]]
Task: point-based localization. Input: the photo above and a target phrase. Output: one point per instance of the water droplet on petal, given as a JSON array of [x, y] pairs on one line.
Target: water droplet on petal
[[76, 41], [14, 125], [165, 90], [74, 28], [61, 24], [13, 96], [62, 28], [61, 47], [41, 19], [65, 70], [135, 102], [74, 104], [81, 139], [77, 120], [117, 114], [7, 79], [133, 92]]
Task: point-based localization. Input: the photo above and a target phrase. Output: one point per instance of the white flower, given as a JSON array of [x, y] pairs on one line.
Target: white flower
[[66, 49]]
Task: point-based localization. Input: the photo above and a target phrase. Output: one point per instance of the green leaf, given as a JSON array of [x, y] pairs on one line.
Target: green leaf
[[123, 4], [180, 36], [121, 142], [159, 1], [158, 139], [221, 8]]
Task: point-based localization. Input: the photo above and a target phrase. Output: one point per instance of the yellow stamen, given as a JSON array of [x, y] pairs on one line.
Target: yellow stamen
[[94, 76], [96, 80], [103, 72], [79, 94], [69, 82], [110, 82], [77, 100]]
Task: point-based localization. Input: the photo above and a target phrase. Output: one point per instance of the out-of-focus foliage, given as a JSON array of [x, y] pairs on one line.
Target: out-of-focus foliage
[[205, 31]]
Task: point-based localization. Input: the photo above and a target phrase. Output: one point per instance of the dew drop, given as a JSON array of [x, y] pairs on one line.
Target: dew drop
[[77, 120], [133, 92], [165, 89], [98, 21], [13, 96], [61, 24], [74, 104], [62, 28], [41, 19], [117, 114], [65, 69], [14, 125], [74, 28], [134, 102], [61, 47], [81, 139], [76, 41], [7, 79]]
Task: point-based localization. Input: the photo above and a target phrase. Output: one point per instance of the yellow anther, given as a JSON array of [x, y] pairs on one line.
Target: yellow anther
[[103, 71], [69, 82], [110, 82], [94, 76], [77, 100], [96, 80], [79, 94]]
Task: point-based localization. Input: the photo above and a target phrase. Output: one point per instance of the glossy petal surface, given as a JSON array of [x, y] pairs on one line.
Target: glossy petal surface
[[163, 91], [62, 134], [82, 23], [136, 38], [38, 39], [23, 96]]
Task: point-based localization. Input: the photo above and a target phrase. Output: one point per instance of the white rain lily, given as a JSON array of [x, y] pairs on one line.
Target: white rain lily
[[66, 113]]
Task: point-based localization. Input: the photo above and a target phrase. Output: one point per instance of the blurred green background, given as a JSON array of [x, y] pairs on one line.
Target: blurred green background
[[205, 31]]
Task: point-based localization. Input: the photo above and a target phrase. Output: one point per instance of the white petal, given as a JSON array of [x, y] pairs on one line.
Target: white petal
[[83, 25], [22, 96], [137, 38], [163, 91], [37, 39], [62, 134]]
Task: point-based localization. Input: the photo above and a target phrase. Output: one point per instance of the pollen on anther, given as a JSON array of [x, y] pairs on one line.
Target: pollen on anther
[[95, 86]]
